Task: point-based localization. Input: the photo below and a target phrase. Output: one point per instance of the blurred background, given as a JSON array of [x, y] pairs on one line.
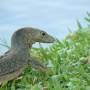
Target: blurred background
[[53, 16]]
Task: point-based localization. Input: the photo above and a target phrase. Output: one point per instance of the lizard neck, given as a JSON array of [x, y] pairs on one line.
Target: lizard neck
[[22, 49]]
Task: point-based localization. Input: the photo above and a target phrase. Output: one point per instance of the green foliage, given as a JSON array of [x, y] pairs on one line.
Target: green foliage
[[88, 18], [4, 43], [68, 61], [79, 25]]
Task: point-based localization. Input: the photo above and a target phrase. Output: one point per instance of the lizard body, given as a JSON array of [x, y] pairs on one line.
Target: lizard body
[[18, 57]]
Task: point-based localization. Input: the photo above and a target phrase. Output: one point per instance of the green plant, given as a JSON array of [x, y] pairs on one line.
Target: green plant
[[68, 61]]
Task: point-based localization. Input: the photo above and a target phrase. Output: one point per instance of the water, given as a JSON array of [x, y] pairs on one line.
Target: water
[[53, 16]]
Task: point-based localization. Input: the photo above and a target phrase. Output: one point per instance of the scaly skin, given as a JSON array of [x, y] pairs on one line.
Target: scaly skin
[[14, 61]]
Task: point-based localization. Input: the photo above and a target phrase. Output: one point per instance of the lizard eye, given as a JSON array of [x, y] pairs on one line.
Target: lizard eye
[[43, 33]]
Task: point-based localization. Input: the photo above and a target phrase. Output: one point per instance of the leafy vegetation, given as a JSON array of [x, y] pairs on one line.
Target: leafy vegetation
[[69, 61]]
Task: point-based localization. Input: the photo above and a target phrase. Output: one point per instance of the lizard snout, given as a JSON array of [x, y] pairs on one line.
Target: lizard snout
[[50, 39]]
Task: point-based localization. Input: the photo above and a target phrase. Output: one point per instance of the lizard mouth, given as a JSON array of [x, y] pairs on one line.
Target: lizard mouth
[[50, 40]]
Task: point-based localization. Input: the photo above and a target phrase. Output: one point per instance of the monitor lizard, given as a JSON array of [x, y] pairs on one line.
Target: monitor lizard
[[18, 57]]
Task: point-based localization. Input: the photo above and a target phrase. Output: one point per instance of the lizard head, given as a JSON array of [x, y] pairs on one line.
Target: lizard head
[[38, 35], [28, 35]]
